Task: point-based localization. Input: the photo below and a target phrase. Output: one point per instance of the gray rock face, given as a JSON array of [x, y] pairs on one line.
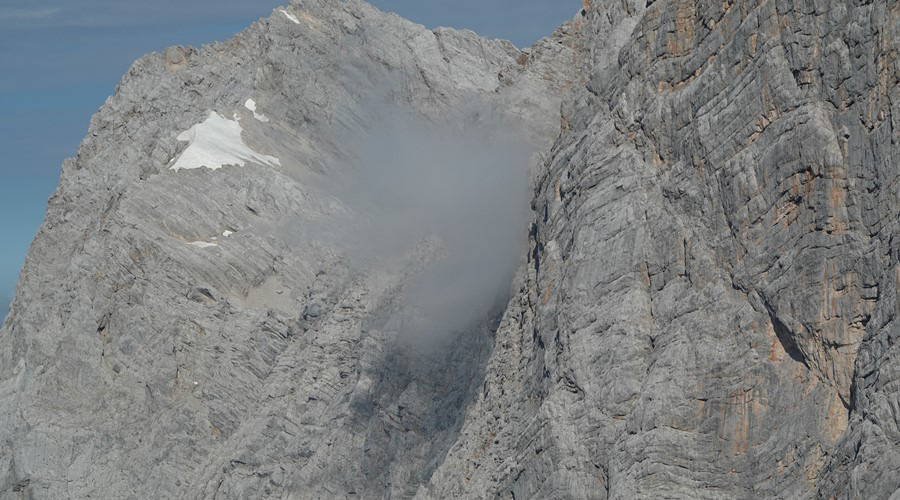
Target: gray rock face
[[223, 332], [712, 288], [707, 307], [5, 299]]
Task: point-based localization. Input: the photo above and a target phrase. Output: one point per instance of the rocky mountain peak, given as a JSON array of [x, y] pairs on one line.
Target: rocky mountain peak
[[342, 255]]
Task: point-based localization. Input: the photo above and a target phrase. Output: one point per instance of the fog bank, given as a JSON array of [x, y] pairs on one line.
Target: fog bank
[[459, 189]]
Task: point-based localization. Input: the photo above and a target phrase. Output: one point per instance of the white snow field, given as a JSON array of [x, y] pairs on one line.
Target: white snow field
[[202, 244], [251, 105], [217, 142], [290, 16]]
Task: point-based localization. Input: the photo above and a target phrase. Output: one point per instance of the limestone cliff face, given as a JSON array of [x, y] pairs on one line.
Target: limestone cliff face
[[195, 333], [712, 289], [707, 307]]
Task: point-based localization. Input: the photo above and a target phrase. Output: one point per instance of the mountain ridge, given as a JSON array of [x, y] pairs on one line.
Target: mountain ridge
[[706, 306]]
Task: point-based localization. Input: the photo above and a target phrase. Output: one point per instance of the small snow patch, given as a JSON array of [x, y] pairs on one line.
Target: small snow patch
[[217, 142], [251, 105], [227, 233], [290, 16], [202, 244]]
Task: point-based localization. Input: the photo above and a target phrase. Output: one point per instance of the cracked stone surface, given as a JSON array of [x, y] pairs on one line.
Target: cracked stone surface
[[707, 306]]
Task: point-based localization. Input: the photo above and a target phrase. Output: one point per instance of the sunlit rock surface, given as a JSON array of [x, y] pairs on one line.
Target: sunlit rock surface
[[705, 304]]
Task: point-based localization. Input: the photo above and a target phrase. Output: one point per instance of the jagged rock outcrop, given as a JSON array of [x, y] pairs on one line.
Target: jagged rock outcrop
[[712, 288], [179, 333], [707, 306]]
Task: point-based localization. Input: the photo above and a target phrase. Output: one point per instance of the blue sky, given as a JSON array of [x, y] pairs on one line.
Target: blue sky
[[61, 59]]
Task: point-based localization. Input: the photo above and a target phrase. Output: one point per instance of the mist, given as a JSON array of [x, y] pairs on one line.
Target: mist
[[449, 201]]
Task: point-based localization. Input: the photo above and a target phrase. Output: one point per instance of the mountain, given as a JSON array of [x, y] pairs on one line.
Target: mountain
[[342, 256], [4, 304]]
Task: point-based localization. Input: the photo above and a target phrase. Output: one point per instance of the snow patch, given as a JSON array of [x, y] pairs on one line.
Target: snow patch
[[251, 105], [290, 16], [227, 233], [202, 244], [217, 142]]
